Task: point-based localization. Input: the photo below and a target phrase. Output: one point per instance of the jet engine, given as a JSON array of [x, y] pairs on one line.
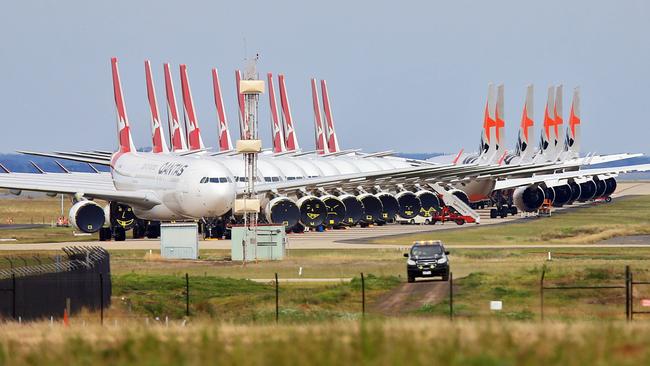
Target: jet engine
[[372, 207], [611, 186], [409, 204], [389, 204], [460, 194], [119, 215], [587, 190], [601, 187], [528, 199], [576, 191], [312, 211], [562, 195], [335, 210], [282, 210], [87, 216], [354, 210], [429, 202]]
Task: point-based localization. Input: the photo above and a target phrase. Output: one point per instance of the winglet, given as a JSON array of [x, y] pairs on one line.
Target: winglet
[[503, 156], [321, 144], [123, 130], [276, 129], [195, 142], [159, 144], [225, 142], [4, 168], [287, 120], [64, 169], [175, 130], [40, 171], [332, 139]]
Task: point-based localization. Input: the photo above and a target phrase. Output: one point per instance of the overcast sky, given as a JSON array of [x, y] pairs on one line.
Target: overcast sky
[[403, 75]]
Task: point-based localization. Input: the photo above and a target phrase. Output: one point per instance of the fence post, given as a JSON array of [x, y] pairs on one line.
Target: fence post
[[541, 294], [628, 300], [13, 295], [187, 294], [277, 299], [363, 296], [101, 299], [451, 296]]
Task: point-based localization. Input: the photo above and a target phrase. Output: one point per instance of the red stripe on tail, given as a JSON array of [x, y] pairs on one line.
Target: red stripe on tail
[[276, 129], [321, 146], [177, 138], [193, 130], [123, 129], [225, 143]]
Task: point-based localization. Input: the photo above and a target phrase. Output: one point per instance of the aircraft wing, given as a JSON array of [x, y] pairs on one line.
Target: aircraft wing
[[89, 185], [578, 174]]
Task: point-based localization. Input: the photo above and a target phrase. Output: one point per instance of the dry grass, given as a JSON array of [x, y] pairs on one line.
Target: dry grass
[[413, 341]]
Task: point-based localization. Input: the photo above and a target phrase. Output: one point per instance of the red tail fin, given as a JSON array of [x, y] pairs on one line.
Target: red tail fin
[[194, 140], [175, 131], [225, 143], [289, 132], [123, 128], [276, 129], [243, 120], [455, 161], [332, 140], [321, 143], [159, 144]]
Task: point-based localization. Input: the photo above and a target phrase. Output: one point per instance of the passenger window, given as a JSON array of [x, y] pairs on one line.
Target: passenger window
[[267, 179], [223, 180], [276, 179]]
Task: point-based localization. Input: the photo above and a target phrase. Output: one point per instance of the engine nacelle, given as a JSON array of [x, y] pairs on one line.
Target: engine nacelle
[[87, 216], [576, 191], [372, 207], [282, 210], [429, 202], [335, 210], [562, 195], [528, 199], [587, 190], [611, 186], [409, 204], [601, 187], [460, 194], [389, 204], [312, 211], [119, 215], [354, 210]]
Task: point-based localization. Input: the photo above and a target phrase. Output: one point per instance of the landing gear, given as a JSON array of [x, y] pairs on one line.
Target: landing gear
[[119, 234], [105, 234], [146, 229], [213, 229]]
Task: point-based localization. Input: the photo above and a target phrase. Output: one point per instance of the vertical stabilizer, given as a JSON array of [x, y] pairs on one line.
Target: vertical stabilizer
[[488, 151], [287, 120], [123, 128], [158, 142], [194, 140], [559, 120], [321, 143], [499, 121], [225, 142], [332, 139], [547, 145], [524, 149], [276, 128], [177, 137], [572, 139], [243, 121]]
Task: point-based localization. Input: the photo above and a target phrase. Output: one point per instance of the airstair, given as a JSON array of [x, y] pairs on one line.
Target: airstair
[[453, 201]]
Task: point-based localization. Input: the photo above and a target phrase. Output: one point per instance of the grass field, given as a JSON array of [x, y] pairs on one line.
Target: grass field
[[583, 225], [413, 342]]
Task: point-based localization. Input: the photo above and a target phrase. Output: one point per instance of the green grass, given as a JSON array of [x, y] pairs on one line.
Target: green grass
[[627, 216], [137, 295]]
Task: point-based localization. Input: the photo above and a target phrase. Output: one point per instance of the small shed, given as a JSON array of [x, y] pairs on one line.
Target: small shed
[[179, 240], [269, 243]]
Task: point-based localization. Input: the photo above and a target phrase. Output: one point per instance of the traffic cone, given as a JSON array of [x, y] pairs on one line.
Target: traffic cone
[[66, 319]]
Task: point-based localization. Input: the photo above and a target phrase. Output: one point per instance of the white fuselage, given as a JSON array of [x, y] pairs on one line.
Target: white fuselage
[[186, 187]]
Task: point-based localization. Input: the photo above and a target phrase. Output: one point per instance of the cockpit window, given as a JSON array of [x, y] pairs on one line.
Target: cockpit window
[[204, 180], [216, 180], [267, 179]]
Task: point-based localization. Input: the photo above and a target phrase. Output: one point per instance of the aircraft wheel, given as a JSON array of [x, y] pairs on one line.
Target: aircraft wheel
[[493, 213], [119, 234]]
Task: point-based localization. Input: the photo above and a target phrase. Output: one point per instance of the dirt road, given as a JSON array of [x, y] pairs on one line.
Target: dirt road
[[408, 297]]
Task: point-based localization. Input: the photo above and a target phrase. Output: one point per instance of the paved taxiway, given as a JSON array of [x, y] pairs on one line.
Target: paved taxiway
[[353, 238]]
